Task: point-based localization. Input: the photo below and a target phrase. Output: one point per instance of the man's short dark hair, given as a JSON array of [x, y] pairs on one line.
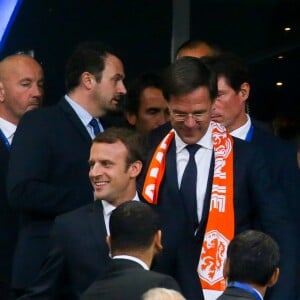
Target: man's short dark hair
[[187, 74], [132, 140], [230, 67], [87, 57], [253, 257], [138, 85], [133, 226]]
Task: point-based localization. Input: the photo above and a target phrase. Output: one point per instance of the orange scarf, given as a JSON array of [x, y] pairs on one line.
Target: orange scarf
[[220, 226]]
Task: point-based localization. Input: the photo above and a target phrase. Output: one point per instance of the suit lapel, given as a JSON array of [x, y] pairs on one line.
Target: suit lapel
[[171, 169], [96, 222], [74, 119]]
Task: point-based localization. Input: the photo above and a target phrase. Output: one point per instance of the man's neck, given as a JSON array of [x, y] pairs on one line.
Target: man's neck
[[239, 122]]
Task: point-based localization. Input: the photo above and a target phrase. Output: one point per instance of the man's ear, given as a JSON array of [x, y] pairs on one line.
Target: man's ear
[[135, 168], [2, 92], [157, 242], [131, 118], [244, 91], [87, 79], [108, 241], [226, 268], [273, 280]]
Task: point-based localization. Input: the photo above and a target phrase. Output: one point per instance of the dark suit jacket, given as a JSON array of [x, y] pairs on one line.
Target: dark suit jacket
[[79, 254], [9, 223], [236, 294], [47, 176], [258, 204], [126, 279]]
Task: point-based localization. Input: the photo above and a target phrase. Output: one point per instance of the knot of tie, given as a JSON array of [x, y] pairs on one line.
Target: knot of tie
[[95, 126], [192, 149]]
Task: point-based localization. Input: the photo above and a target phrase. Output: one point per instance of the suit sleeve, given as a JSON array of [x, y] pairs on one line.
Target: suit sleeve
[[52, 278], [38, 182]]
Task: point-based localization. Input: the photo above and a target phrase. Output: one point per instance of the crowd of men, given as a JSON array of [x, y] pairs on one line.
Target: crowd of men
[[184, 187]]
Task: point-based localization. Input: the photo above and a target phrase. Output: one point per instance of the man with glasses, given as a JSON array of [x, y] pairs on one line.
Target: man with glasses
[[208, 186]]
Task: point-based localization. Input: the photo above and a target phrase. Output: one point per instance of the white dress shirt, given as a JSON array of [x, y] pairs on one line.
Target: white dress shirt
[[84, 116], [203, 158], [108, 209], [8, 129], [242, 131], [132, 258]]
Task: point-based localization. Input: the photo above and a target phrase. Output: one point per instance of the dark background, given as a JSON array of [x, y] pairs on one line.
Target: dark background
[[142, 31]]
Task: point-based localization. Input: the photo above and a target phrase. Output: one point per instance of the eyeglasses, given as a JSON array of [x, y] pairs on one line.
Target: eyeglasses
[[181, 117]]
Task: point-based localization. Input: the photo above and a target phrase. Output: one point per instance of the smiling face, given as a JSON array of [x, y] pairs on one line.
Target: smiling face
[[112, 179], [196, 102]]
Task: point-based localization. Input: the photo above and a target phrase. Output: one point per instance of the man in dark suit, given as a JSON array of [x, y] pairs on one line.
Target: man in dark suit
[[21, 90], [134, 240], [230, 109], [79, 253], [251, 266], [190, 88], [47, 174]]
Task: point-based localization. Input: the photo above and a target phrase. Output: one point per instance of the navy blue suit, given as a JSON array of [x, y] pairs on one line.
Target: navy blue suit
[[257, 203], [79, 255], [47, 176], [9, 223]]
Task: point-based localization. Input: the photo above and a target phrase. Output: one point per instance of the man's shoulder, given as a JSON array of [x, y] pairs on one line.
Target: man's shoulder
[[78, 214], [156, 135]]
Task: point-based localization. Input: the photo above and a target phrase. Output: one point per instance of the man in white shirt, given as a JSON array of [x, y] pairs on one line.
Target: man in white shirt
[[21, 90], [79, 253]]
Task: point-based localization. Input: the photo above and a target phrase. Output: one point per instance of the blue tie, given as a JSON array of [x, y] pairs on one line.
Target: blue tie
[[95, 125], [188, 185]]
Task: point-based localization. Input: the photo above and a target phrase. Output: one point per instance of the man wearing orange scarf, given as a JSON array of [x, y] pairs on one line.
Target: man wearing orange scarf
[[231, 189]]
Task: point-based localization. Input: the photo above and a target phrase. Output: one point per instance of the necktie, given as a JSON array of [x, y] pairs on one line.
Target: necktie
[[188, 185], [95, 125]]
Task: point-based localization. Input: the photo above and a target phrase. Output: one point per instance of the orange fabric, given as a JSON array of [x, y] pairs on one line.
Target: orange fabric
[[220, 226], [156, 170]]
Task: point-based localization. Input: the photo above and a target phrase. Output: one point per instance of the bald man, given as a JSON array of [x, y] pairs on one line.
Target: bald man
[[21, 89], [197, 48]]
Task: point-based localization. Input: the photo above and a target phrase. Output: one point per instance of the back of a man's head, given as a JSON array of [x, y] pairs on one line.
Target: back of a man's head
[[252, 257], [229, 66], [162, 294], [133, 226]]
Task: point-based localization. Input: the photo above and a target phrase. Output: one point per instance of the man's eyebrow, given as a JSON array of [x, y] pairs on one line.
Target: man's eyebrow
[[118, 76]]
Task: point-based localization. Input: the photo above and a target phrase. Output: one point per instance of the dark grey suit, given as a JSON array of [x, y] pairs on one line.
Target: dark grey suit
[[125, 280], [79, 254]]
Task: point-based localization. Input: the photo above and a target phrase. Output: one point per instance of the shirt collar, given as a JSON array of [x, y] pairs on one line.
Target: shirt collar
[[242, 131], [7, 128], [132, 258], [83, 115], [205, 141], [108, 208]]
